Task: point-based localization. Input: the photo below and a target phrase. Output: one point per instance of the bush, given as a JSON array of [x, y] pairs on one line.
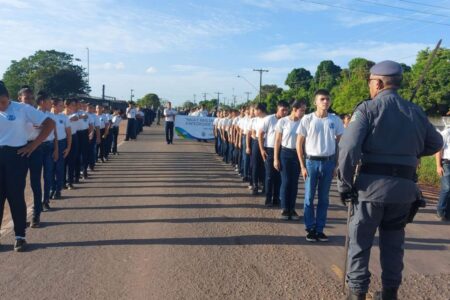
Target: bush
[[427, 171]]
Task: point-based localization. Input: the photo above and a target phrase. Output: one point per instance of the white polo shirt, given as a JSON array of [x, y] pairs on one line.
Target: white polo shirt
[[61, 122], [74, 125], [83, 124], [51, 136], [116, 120], [320, 134], [131, 113], [169, 115], [268, 127], [288, 129], [13, 123], [446, 137], [93, 120], [103, 119]]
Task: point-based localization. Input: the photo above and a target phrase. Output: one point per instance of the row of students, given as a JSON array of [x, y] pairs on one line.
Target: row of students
[[270, 152], [57, 141]]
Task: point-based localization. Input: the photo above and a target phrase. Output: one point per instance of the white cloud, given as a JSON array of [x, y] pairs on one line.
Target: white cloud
[[298, 5], [151, 70], [353, 20], [373, 50], [110, 66]]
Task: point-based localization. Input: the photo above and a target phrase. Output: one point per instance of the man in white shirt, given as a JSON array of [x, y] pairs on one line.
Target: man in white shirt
[[266, 141], [443, 170], [131, 126], [318, 136], [115, 125], [256, 158], [94, 136], [169, 115]]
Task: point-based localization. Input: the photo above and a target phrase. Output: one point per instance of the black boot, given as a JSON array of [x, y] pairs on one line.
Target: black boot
[[355, 296], [389, 294]]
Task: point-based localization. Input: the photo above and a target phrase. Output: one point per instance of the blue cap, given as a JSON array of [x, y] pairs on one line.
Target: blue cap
[[387, 68]]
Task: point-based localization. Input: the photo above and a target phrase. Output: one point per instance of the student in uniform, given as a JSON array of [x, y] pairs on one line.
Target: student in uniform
[[169, 115], [109, 138], [248, 145], [115, 124], [131, 126], [256, 158], [14, 154], [70, 163], [36, 159], [104, 131], [216, 136], [318, 135], [266, 146], [64, 134], [140, 119], [50, 155], [94, 136], [286, 161], [81, 165]]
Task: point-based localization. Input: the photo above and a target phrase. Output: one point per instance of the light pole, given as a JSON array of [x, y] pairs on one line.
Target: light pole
[[218, 100], [248, 96], [204, 96], [251, 84], [261, 71], [131, 95]]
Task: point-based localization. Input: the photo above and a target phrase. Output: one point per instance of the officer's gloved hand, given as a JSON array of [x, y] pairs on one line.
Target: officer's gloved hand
[[348, 197]]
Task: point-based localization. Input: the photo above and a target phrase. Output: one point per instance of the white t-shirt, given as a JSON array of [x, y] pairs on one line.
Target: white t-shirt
[[74, 125], [13, 123], [83, 124], [169, 115], [131, 113], [243, 124], [62, 122], [249, 125], [116, 121], [93, 120], [320, 134], [288, 129], [446, 137], [216, 122], [51, 136], [203, 113], [257, 125], [268, 127]]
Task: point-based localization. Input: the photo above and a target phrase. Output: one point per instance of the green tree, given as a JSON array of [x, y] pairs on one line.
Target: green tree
[[149, 100], [327, 75], [434, 94], [188, 105], [299, 78], [352, 87], [52, 71]]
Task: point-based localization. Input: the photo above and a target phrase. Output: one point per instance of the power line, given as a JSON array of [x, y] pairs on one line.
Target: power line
[[371, 13], [423, 4], [403, 8]]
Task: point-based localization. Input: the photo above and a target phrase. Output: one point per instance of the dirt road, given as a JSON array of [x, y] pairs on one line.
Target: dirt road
[[172, 222]]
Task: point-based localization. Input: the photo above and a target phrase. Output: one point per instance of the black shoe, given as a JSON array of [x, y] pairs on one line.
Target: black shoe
[[20, 245], [52, 194], [70, 187], [244, 179], [35, 222], [102, 160], [276, 202], [77, 181], [311, 236], [322, 237], [389, 294], [441, 218], [294, 216], [268, 203], [46, 206], [66, 186], [57, 196], [285, 215], [255, 191]]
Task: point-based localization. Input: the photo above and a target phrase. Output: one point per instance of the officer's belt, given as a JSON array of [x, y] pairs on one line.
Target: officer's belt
[[320, 158], [400, 171]]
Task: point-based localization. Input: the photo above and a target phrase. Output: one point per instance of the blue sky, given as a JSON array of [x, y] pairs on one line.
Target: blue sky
[[180, 48]]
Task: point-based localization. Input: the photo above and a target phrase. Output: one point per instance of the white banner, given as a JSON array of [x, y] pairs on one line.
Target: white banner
[[194, 128]]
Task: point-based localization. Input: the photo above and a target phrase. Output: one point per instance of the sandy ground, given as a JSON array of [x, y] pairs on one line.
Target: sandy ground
[[173, 222]]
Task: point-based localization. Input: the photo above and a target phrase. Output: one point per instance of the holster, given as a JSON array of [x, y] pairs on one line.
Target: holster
[[420, 202]]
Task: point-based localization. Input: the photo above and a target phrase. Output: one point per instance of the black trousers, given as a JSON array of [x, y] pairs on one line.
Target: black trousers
[[257, 165], [273, 179], [101, 147], [82, 161], [13, 172], [115, 135], [131, 130], [169, 131], [71, 159]]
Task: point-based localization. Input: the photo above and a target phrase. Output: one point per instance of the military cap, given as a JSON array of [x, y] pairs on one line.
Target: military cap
[[387, 68]]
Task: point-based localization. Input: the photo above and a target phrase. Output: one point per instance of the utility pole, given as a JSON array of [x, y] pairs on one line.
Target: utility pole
[[218, 99], [131, 95], [204, 96], [248, 96], [261, 71], [195, 98], [88, 75]]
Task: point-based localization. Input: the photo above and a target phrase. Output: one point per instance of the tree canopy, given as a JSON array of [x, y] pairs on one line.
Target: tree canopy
[[52, 71], [150, 101]]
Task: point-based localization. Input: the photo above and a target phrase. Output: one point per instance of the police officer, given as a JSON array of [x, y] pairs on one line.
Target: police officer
[[386, 135], [14, 151]]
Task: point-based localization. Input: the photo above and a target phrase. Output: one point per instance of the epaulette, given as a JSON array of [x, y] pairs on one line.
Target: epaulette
[[353, 115]]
